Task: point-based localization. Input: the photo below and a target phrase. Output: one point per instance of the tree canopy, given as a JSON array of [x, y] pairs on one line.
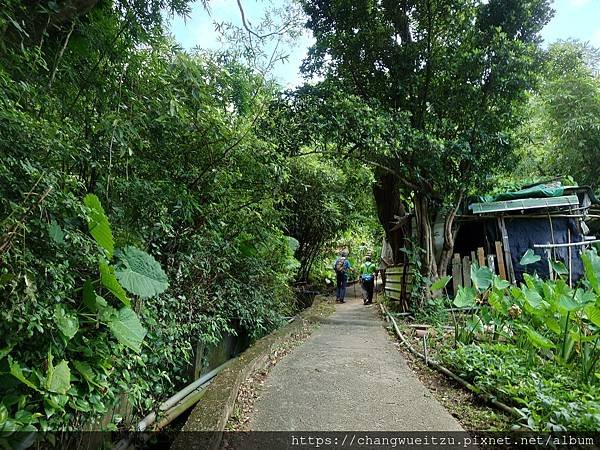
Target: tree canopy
[[448, 77]]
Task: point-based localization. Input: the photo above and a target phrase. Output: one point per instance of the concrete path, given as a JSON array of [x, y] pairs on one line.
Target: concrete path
[[348, 376]]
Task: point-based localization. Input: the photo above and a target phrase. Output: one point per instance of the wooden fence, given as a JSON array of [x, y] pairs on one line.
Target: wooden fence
[[398, 285], [399, 279], [500, 263]]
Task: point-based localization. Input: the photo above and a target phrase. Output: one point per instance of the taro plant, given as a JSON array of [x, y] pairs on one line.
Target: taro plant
[[546, 316], [136, 272]]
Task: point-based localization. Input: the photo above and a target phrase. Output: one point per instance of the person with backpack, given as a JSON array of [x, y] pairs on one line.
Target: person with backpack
[[367, 279], [341, 267]]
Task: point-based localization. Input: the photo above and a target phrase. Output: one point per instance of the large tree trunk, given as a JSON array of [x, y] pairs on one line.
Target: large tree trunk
[[449, 236], [386, 192], [431, 266], [425, 235]]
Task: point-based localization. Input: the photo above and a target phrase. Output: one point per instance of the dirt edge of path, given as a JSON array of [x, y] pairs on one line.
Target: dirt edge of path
[[470, 411]]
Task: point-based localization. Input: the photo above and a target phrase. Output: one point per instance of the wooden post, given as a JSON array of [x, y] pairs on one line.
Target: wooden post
[[456, 273], [466, 271], [500, 257], [507, 255], [481, 256], [473, 257]]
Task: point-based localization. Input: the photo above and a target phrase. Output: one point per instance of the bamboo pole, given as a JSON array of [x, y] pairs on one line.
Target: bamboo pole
[[572, 244], [570, 259]]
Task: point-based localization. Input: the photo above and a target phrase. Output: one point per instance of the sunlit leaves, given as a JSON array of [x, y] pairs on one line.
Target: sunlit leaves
[[591, 263], [58, 379], [465, 297], [98, 224], [440, 283]]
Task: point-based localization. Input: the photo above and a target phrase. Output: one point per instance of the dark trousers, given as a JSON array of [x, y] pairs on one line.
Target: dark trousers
[[368, 286], [340, 288]]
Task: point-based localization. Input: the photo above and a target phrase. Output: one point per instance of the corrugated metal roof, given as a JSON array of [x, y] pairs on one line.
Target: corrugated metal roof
[[525, 203]]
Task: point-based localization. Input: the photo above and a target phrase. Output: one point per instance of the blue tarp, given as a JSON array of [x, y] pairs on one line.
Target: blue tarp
[[523, 234]]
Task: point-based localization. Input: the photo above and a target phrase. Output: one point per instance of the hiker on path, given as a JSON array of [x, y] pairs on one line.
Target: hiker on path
[[367, 279], [341, 267]]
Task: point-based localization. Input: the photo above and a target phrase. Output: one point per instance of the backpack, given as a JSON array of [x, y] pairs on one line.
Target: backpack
[[367, 277], [340, 265]]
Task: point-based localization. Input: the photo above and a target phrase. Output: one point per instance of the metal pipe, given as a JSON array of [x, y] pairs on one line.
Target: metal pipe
[[167, 404]]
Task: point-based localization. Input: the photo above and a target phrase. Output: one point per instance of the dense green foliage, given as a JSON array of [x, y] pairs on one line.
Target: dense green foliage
[[112, 141], [548, 396], [562, 136], [545, 338], [152, 200], [444, 81]]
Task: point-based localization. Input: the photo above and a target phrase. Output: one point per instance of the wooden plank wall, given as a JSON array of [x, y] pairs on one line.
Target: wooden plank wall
[[398, 285], [461, 267]]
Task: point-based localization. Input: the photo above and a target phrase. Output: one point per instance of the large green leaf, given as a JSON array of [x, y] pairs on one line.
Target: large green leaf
[[293, 244], [481, 277], [533, 298], [58, 379], [56, 233], [552, 324], [439, 284], [593, 314], [127, 328], [465, 297], [574, 301], [529, 258], [560, 268], [591, 263], [110, 282], [537, 339], [140, 273], [86, 371], [498, 302], [17, 372], [500, 284], [98, 224], [67, 323]]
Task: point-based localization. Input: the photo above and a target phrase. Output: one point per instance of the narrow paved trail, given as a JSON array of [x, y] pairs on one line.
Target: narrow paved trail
[[348, 376]]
